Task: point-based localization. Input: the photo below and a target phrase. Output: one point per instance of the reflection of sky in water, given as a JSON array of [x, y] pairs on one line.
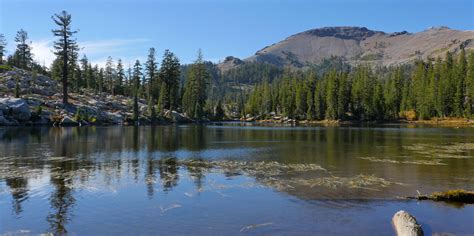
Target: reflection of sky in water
[[137, 181], [212, 205]]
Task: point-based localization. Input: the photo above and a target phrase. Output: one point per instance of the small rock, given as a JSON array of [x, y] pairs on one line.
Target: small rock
[[68, 121], [176, 117]]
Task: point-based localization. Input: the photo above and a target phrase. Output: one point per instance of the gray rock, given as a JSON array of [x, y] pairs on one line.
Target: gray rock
[[16, 107], [114, 117], [176, 116], [68, 121], [42, 91], [406, 224], [4, 121], [43, 120]]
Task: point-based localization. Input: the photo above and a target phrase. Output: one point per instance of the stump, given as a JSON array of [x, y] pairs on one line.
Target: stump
[[406, 225]]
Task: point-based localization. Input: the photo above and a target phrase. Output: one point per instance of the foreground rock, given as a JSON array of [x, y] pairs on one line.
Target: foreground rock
[[406, 225]]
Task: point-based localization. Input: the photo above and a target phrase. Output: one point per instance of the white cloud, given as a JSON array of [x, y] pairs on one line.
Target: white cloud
[[107, 46], [97, 51], [43, 51]]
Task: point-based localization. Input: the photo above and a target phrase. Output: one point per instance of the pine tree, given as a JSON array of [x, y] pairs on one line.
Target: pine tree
[[65, 47], [320, 99], [3, 46], [311, 86], [459, 95], [163, 97], [120, 77], [100, 81], [109, 74], [17, 86], [301, 103], [137, 73], [90, 77], [469, 104], [195, 90], [151, 68], [266, 97], [23, 56], [436, 88], [84, 71], [169, 76], [393, 92], [343, 95], [378, 102]]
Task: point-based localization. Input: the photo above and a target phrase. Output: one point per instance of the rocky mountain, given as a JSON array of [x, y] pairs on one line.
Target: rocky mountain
[[358, 45]]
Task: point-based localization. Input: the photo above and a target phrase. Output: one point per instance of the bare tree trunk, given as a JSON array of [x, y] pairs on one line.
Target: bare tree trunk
[[65, 71]]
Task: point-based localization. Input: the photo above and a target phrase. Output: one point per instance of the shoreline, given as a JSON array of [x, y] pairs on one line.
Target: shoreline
[[447, 122]]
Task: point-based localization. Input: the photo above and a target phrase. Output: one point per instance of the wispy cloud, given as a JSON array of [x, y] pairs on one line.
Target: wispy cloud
[[97, 51], [108, 46], [126, 61], [43, 51]]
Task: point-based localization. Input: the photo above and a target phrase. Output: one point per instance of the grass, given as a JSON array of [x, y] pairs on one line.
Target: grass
[[456, 195], [4, 68]]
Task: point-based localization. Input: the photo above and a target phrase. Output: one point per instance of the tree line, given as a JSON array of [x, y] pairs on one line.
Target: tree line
[[427, 89], [331, 90], [158, 83]]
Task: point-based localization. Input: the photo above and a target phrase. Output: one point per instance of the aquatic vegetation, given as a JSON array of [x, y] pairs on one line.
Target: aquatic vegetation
[[415, 162], [457, 195], [270, 168], [447, 150], [361, 181], [253, 226], [165, 209]]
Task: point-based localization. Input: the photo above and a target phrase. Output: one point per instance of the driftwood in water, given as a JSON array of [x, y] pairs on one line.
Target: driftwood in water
[[406, 225]]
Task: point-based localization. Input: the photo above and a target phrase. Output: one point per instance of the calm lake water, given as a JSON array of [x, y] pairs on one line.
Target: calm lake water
[[231, 179]]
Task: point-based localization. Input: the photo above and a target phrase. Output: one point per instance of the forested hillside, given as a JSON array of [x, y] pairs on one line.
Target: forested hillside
[[426, 89]]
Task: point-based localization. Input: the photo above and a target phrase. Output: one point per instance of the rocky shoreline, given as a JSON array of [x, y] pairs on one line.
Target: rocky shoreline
[[40, 103], [448, 122]]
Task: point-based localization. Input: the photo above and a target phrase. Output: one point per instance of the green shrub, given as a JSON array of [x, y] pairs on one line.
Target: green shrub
[[81, 115], [5, 68]]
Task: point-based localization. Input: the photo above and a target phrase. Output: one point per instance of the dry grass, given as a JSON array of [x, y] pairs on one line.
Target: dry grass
[[456, 195]]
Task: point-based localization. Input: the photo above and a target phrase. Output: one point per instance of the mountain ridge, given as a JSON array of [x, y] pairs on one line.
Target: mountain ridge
[[358, 45]]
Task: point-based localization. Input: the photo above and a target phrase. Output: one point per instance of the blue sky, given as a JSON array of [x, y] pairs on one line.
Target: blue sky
[[127, 28]]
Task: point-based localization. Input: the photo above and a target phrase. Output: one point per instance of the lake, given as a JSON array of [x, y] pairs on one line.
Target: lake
[[231, 179]]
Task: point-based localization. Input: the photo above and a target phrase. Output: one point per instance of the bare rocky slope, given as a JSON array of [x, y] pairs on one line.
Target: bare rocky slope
[[359, 45], [40, 103]]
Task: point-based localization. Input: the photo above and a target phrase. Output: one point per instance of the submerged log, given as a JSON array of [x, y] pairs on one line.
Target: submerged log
[[406, 225]]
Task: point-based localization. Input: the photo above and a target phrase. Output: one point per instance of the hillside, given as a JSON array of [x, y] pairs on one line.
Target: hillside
[[358, 45]]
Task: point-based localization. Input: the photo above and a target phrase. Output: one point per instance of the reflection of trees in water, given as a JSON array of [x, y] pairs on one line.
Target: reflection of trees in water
[[62, 201], [141, 152], [19, 192], [197, 173], [168, 169]]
